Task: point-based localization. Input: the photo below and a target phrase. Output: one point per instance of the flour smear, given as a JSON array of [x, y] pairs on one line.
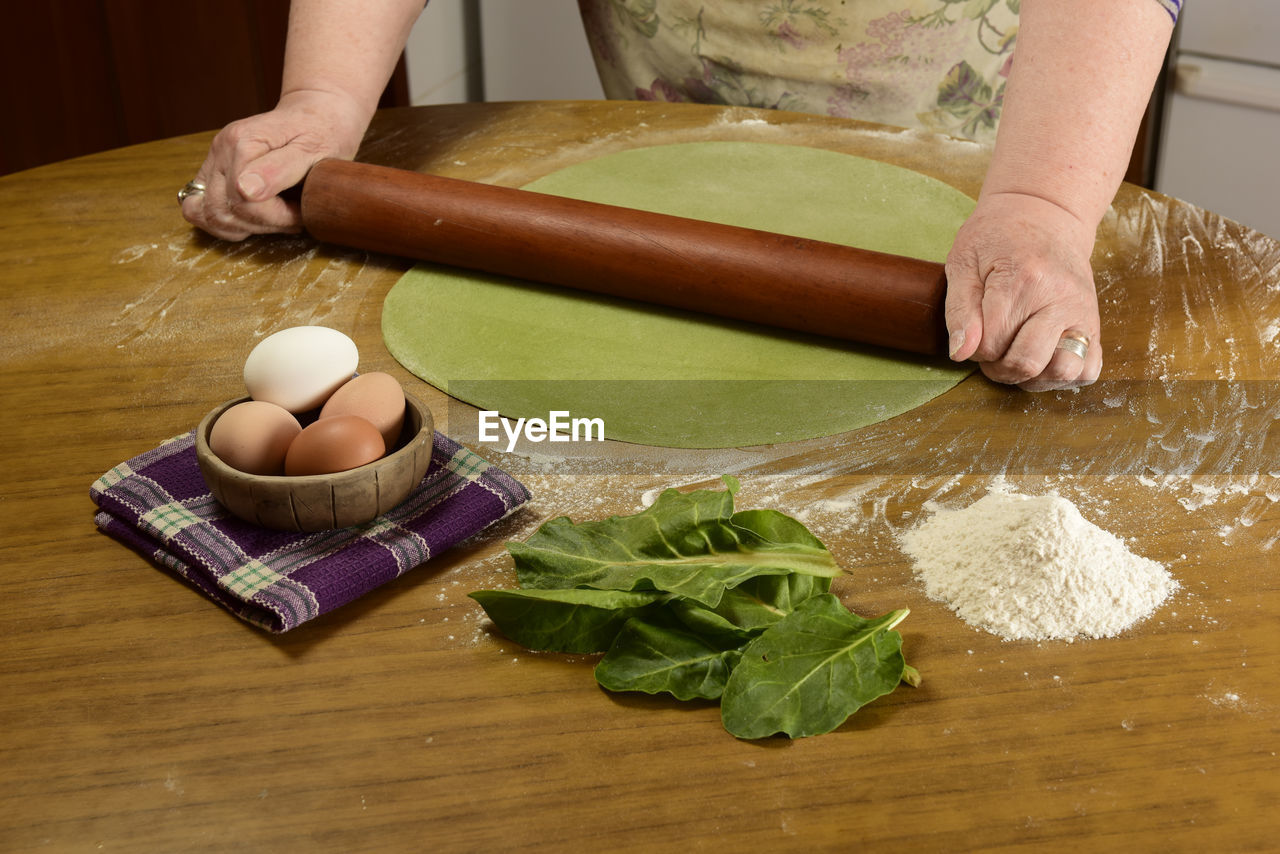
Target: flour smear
[[1032, 568]]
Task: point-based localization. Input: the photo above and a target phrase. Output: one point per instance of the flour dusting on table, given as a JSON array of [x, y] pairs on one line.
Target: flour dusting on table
[[1032, 568]]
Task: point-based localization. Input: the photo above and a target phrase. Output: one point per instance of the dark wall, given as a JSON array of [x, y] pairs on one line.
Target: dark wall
[[85, 75]]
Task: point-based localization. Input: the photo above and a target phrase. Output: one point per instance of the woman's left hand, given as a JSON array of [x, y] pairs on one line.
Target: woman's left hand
[[1020, 294]]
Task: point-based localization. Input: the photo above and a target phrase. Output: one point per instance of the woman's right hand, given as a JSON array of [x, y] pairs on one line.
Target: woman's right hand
[[253, 160]]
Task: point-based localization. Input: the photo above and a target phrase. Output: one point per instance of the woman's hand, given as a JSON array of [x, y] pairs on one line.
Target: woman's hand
[[1020, 294], [253, 160], [1019, 283]]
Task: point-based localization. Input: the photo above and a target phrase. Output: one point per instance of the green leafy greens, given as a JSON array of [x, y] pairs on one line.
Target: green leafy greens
[[692, 599]]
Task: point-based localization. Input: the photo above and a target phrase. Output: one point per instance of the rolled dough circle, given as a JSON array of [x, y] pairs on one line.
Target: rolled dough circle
[[660, 377]]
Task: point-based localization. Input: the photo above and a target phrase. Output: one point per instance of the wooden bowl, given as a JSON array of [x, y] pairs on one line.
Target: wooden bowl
[[321, 502]]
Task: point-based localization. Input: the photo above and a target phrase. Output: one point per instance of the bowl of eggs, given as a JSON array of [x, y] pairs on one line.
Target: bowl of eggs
[[314, 445]]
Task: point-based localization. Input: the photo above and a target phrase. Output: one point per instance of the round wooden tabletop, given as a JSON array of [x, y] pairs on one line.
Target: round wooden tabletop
[[138, 716]]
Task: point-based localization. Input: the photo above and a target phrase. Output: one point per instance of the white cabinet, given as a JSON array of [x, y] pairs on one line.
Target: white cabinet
[[504, 50], [1220, 145], [536, 50]]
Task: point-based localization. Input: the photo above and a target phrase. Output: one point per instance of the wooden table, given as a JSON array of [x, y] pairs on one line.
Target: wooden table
[[137, 716]]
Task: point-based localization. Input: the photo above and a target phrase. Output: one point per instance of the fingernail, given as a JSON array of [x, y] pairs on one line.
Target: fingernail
[[955, 342], [251, 185]]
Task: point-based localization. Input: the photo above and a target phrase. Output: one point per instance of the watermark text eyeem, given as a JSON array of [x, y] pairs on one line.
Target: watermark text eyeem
[[557, 427]]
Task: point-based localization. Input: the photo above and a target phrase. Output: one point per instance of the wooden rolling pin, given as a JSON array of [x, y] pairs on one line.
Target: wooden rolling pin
[[788, 282]]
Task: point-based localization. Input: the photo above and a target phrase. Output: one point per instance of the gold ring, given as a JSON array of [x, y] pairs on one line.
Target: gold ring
[[192, 188], [1074, 342]]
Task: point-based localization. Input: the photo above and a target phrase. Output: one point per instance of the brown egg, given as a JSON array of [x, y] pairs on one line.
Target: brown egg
[[376, 397], [334, 444], [254, 436]]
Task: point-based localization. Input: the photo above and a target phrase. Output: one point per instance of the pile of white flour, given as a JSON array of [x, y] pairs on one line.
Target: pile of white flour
[[1032, 568]]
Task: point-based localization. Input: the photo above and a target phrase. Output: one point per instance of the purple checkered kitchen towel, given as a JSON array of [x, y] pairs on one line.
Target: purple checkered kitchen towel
[[158, 504]]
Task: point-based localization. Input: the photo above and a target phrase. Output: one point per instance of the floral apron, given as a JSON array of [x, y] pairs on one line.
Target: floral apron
[[940, 65]]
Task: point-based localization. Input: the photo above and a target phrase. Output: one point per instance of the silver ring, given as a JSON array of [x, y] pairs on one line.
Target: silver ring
[[1074, 342], [193, 188]]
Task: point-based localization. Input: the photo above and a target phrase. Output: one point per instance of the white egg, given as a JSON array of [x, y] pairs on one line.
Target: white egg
[[298, 368]]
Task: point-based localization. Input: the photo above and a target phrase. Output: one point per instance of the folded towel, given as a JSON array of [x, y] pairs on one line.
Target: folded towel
[[158, 504]]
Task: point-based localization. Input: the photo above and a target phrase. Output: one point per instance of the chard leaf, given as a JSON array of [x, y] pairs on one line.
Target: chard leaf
[[808, 672], [688, 544], [760, 602], [563, 620], [750, 608], [776, 527], [656, 657], [697, 601], [709, 623]]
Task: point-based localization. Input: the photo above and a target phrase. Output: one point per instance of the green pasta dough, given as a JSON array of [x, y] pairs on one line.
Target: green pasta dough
[[657, 376]]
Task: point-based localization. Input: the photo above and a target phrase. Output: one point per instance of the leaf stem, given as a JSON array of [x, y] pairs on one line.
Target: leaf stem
[[897, 617]]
